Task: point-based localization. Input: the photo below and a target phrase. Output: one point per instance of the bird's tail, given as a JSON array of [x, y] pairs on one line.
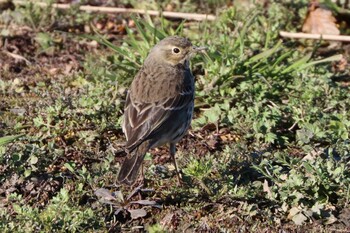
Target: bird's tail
[[132, 163]]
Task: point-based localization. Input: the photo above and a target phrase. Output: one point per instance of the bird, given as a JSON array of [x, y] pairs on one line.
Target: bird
[[159, 104]]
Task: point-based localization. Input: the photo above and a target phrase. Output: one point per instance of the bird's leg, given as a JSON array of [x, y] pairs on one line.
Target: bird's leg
[[141, 177], [142, 174], [172, 154]]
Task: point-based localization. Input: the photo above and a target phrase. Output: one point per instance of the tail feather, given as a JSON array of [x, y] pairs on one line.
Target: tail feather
[[131, 166]]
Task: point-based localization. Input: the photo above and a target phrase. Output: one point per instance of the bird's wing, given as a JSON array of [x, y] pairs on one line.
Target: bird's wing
[[142, 119]]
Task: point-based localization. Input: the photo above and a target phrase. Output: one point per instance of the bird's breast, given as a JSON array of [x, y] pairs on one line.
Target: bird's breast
[[156, 83]]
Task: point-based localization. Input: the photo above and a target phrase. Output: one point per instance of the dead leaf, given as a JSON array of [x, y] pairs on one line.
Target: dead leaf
[[110, 25], [17, 57], [344, 216], [170, 7], [267, 189], [340, 66], [292, 212], [172, 220], [105, 196], [119, 196], [53, 71], [137, 213], [330, 220], [131, 23], [299, 219], [18, 111], [320, 20], [144, 202], [68, 68], [284, 177]]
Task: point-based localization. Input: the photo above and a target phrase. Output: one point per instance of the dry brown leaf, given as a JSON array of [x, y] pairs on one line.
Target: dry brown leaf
[[104, 193], [137, 213], [267, 189], [17, 57], [144, 202], [340, 66], [320, 20], [170, 7]]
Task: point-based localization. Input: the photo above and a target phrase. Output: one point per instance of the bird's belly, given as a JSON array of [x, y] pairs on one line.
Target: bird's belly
[[175, 128]]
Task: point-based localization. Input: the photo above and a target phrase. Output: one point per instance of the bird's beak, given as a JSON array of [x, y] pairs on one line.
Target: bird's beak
[[196, 49]]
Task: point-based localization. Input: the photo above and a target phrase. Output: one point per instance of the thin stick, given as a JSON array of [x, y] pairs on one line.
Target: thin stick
[[314, 36], [169, 14]]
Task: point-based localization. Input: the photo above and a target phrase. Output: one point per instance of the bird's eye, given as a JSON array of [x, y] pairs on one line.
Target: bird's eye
[[176, 50]]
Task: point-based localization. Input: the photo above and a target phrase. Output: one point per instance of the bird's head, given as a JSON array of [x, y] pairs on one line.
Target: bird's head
[[173, 50]]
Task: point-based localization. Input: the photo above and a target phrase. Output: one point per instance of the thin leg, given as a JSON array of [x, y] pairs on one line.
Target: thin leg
[[141, 177], [172, 154], [142, 174]]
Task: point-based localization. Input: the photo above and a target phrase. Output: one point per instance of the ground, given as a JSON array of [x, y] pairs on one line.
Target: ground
[[268, 150]]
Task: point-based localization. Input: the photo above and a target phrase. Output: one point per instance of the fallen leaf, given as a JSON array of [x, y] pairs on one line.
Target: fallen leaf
[[18, 111], [119, 196], [284, 177], [144, 202], [340, 66], [299, 219], [267, 189], [292, 212], [320, 20], [330, 220], [17, 57], [137, 213], [105, 196]]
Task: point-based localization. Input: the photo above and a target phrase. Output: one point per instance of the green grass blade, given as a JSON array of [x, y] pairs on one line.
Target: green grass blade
[[265, 54], [141, 30], [328, 59], [158, 34], [282, 58], [296, 65], [180, 28], [8, 139], [242, 35]]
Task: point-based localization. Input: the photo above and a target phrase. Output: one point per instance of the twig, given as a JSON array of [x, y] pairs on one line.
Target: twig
[[292, 127], [169, 14], [17, 57], [314, 36]]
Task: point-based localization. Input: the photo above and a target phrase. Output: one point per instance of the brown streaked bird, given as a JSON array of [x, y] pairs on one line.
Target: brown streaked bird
[[159, 104]]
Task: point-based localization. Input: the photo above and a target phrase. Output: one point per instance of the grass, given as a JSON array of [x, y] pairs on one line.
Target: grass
[[269, 144]]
